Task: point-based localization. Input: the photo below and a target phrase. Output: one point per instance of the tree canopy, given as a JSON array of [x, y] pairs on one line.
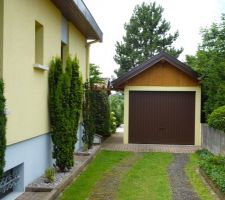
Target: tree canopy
[[95, 74], [147, 33], [209, 62]]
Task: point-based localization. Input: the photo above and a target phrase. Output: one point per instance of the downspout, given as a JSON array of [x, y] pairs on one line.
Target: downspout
[[88, 44]]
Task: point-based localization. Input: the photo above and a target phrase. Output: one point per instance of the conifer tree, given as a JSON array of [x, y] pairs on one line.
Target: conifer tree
[[147, 33]]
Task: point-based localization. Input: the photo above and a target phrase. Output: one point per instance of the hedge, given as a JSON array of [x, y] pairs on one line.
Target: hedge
[[217, 119], [101, 112]]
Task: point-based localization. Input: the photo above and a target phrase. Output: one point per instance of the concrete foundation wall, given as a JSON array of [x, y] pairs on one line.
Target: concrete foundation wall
[[31, 156], [213, 140]]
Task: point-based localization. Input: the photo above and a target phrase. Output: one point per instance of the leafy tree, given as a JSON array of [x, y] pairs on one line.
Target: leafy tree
[[209, 62], [117, 107], [65, 100], [147, 33], [2, 128]]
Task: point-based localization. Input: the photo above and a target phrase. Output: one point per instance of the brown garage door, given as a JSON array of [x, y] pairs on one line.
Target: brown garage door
[[161, 117]]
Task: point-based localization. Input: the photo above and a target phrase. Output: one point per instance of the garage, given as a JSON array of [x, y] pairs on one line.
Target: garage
[[161, 117], [162, 102]]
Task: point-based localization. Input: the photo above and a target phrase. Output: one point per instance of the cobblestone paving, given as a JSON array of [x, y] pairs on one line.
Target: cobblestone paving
[[115, 143], [182, 189]]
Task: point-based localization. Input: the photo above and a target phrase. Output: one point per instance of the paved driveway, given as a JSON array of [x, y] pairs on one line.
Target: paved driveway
[[115, 143]]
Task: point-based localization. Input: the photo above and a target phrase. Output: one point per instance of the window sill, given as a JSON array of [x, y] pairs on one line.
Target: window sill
[[42, 67]]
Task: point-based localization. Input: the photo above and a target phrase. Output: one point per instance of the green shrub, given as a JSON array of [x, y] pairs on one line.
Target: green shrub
[[217, 119], [214, 167], [2, 128], [50, 175], [112, 122], [65, 101]]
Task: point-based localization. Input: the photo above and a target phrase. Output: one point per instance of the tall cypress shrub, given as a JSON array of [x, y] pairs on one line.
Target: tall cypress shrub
[[2, 128], [65, 100], [88, 114]]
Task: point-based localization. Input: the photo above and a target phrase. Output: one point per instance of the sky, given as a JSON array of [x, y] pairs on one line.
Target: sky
[[186, 16]]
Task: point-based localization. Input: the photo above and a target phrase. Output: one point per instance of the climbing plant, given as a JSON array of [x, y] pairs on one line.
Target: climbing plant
[[2, 128], [65, 102]]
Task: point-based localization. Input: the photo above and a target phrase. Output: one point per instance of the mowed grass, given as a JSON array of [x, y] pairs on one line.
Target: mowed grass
[[147, 179], [196, 180], [82, 187]]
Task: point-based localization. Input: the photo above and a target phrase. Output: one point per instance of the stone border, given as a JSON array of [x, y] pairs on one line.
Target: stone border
[[220, 194], [58, 189], [38, 189]]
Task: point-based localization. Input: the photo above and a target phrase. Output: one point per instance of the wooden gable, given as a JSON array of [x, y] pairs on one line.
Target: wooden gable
[[162, 74]]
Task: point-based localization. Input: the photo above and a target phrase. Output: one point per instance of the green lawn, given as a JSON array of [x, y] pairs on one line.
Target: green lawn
[[148, 179], [195, 179], [82, 187]]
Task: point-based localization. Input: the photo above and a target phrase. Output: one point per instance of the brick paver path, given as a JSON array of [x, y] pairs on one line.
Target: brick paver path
[[115, 143]]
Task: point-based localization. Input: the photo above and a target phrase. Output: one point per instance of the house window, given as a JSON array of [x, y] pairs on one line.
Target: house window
[[64, 53], [39, 43]]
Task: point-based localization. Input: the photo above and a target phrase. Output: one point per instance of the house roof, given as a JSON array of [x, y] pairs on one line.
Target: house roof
[[77, 12], [162, 56]]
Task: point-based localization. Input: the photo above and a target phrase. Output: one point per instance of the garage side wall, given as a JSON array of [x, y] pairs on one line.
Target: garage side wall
[[196, 89]]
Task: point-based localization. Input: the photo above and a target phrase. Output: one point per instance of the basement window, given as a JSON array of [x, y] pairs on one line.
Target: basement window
[[11, 182]]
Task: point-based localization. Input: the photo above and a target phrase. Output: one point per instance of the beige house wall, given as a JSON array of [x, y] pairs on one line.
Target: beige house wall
[[77, 47], [1, 35], [26, 88]]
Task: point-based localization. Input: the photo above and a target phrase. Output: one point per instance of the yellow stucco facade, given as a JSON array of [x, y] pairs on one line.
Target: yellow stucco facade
[[196, 89], [26, 88]]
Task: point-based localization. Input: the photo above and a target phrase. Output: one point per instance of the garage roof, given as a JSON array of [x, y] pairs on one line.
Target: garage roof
[[76, 12], [162, 56]]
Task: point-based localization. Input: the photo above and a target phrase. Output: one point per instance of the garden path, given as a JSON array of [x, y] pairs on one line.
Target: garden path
[[107, 187], [179, 183]]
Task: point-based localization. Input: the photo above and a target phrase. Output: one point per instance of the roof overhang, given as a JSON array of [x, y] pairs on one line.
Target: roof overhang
[[118, 84], [78, 14]]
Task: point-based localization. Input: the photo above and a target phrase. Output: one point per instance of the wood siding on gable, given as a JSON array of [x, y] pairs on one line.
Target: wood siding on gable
[[162, 74]]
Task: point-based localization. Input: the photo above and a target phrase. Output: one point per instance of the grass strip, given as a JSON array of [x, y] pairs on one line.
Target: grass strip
[[195, 179], [147, 179], [82, 187]]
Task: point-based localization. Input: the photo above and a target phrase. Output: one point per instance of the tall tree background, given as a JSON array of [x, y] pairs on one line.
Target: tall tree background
[[209, 62], [147, 33]]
